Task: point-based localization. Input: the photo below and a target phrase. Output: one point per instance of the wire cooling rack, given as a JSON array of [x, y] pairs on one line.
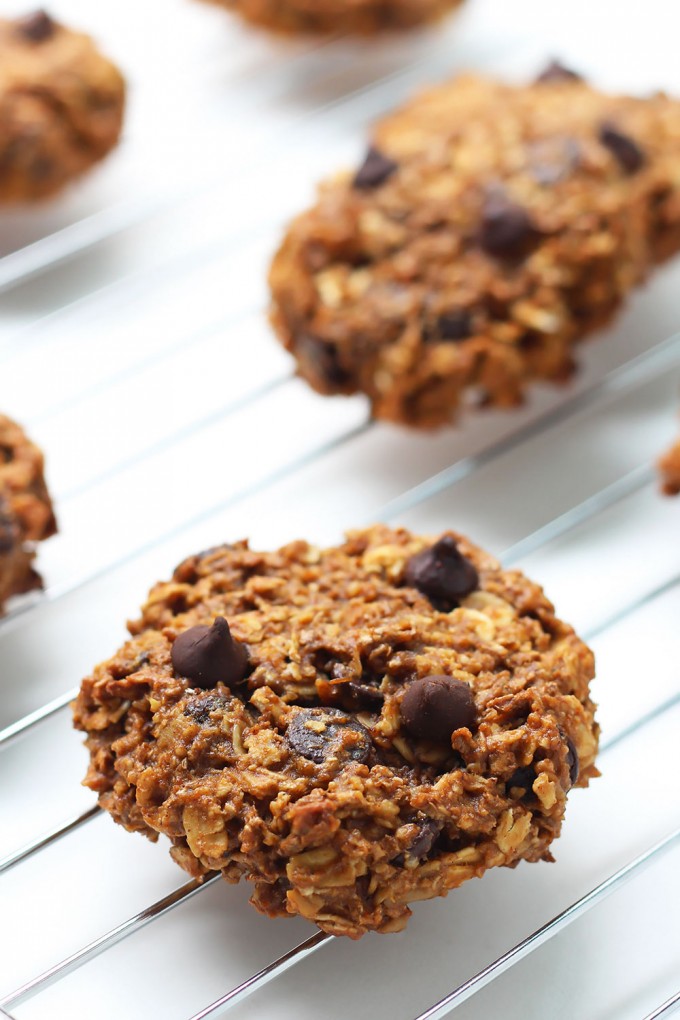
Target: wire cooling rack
[[134, 347]]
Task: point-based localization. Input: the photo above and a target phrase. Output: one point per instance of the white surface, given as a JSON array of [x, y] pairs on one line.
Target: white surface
[[146, 361]]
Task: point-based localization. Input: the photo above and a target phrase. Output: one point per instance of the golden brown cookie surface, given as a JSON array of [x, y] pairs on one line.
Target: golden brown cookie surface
[[489, 229], [26, 514], [61, 106], [351, 729]]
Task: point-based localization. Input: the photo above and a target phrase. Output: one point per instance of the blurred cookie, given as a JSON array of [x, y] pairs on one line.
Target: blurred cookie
[[363, 17], [61, 106], [26, 515], [669, 466]]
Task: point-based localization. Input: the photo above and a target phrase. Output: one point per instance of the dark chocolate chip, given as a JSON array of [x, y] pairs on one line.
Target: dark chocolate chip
[[193, 561], [426, 838], [522, 779], [455, 324], [572, 761], [375, 169], [442, 572], [6, 453], [323, 733], [366, 694], [555, 71], [507, 230], [200, 709], [625, 150], [435, 706], [323, 358], [208, 655], [37, 27]]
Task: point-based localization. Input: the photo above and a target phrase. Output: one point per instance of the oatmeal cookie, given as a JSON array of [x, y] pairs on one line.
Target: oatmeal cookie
[[26, 514], [61, 106], [669, 466], [363, 17], [488, 230], [351, 729]]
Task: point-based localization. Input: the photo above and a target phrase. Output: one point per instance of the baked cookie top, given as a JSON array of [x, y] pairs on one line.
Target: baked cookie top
[[351, 728], [489, 228], [363, 17], [26, 514], [61, 106]]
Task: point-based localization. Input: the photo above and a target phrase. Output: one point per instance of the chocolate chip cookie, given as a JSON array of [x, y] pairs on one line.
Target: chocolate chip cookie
[[61, 106], [669, 466], [488, 229], [351, 729], [26, 514], [363, 17]]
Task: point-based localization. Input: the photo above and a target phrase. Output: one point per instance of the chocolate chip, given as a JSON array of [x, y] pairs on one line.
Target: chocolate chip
[[366, 694], [442, 572], [557, 72], [200, 709], [434, 707], [375, 170], [625, 150], [522, 779], [37, 27], [507, 230], [323, 358], [572, 761], [455, 324], [323, 733], [426, 838], [190, 564], [208, 655]]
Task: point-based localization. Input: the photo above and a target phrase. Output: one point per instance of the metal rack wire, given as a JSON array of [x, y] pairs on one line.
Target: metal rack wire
[[627, 388]]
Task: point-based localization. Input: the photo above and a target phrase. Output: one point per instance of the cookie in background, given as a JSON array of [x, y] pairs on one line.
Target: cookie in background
[[489, 228], [361, 17], [669, 466], [26, 514], [61, 106]]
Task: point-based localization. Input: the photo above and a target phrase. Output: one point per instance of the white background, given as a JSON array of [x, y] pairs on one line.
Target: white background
[[171, 421]]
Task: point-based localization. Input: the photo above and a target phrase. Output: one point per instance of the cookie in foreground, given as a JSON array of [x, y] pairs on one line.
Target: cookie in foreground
[[489, 228], [362, 17], [351, 729], [669, 466], [61, 106], [26, 514]]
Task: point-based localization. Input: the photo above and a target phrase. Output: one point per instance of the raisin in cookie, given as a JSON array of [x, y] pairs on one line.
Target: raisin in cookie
[[330, 16], [26, 514], [351, 729], [669, 466], [61, 106], [489, 228]]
